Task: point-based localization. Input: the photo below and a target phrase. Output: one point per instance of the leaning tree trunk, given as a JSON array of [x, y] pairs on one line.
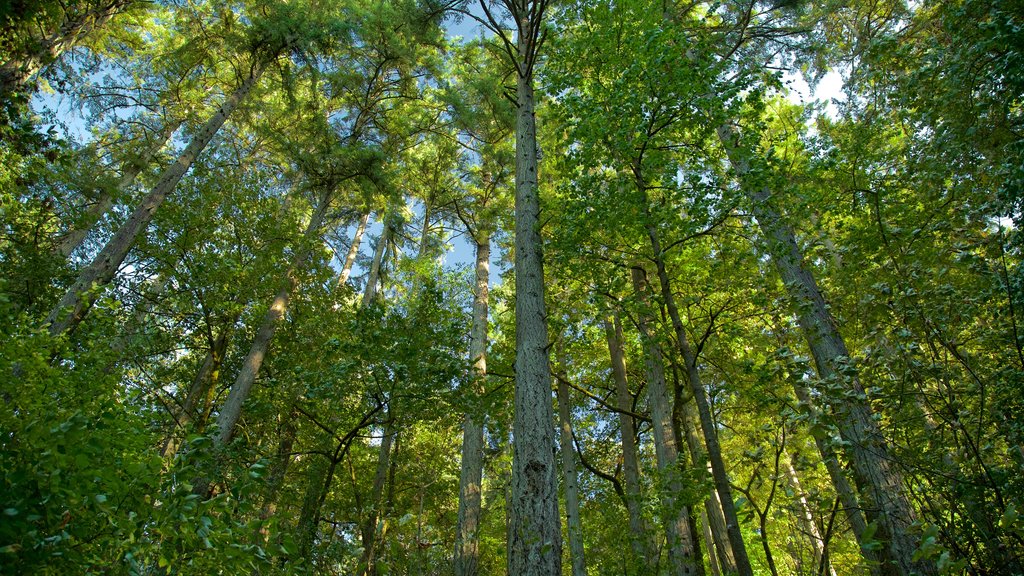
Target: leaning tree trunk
[[810, 527], [881, 482], [681, 542], [373, 277], [534, 534], [574, 526], [638, 529], [18, 70], [206, 377], [353, 249], [467, 552], [75, 304], [77, 234], [232, 409], [373, 524]]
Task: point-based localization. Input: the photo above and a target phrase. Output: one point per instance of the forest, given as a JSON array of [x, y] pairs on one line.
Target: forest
[[525, 287]]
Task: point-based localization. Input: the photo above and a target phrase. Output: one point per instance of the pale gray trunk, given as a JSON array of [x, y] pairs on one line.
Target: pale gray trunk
[[75, 304], [810, 527], [16, 73], [881, 482], [353, 250], [681, 542], [710, 540], [535, 538], [373, 278], [76, 235], [467, 553], [232, 409], [638, 528], [574, 526]]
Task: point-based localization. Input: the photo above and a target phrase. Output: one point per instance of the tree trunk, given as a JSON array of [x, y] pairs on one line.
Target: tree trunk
[[680, 540], [206, 377], [373, 278], [535, 538], [707, 424], [810, 527], [77, 234], [638, 528], [881, 482], [467, 551], [75, 304], [572, 492], [374, 521], [687, 420], [17, 72], [353, 250], [232, 409]]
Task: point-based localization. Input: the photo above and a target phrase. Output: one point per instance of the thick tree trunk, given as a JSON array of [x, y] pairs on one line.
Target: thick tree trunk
[[74, 306], [467, 551], [232, 409], [638, 528], [17, 71], [353, 249], [574, 526], [535, 538], [681, 542], [77, 234], [883, 490]]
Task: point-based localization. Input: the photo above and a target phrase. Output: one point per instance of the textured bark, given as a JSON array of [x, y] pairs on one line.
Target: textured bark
[[17, 71], [75, 304], [353, 249], [883, 491], [76, 235], [807, 523], [681, 542], [232, 409], [467, 548], [535, 538], [638, 528], [574, 526]]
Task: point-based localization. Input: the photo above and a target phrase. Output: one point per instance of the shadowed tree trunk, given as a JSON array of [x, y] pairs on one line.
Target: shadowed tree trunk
[[353, 249]]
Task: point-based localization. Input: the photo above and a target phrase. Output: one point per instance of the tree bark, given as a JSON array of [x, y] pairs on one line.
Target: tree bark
[[77, 234], [353, 249], [810, 527], [467, 553], [16, 72], [373, 277], [232, 409], [574, 526], [638, 528], [75, 304], [883, 489], [681, 542], [535, 538], [374, 521], [206, 378]]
